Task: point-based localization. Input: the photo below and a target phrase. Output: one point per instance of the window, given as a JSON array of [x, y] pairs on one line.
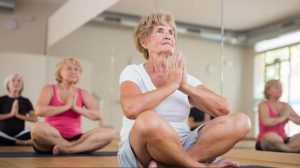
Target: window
[[283, 64]]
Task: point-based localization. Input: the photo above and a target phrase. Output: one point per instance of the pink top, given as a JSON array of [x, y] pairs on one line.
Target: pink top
[[68, 123], [279, 128]]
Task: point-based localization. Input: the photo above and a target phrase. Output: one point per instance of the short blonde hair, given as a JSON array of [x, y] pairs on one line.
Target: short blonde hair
[[10, 77], [268, 85], [61, 64], [145, 28]]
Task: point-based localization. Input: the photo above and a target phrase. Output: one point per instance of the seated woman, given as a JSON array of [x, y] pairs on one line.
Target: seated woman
[[14, 111], [197, 117], [273, 116], [156, 97], [62, 105]]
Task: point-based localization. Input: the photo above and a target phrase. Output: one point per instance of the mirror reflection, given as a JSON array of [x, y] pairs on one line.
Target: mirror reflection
[[266, 40]]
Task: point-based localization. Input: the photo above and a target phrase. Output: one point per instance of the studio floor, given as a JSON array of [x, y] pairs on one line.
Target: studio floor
[[243, 153]]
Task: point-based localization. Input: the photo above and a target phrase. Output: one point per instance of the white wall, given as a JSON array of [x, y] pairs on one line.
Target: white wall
[[30, 35], [31, 67]]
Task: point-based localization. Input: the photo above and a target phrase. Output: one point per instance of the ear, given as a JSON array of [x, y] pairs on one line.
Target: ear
[[144, 43]]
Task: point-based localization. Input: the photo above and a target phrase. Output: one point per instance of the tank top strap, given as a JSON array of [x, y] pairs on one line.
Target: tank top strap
[[271, 112], [54, 96]]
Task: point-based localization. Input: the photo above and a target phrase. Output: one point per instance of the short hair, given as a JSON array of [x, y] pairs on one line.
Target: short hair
[[268, 85], [61, 64], [10, 77], [145, 28]]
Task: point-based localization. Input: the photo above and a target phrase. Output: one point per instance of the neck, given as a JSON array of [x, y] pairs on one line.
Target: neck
[[273, 100], [157, 63], [66, 85], [13, 94]]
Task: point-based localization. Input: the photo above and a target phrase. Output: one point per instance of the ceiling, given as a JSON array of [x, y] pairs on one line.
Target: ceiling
[[239, 15]]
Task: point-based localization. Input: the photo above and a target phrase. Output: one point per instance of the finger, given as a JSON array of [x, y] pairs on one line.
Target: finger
[[178, 60], [182, 63]]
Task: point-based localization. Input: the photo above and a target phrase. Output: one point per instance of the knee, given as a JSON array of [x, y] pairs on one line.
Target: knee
[[110, 133], [148, 122], [239, 123], [242, 122], [37, 130]]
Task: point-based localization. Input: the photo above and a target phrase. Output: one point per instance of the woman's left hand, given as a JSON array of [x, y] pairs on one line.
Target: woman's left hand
[[74, 104], [184, 83]]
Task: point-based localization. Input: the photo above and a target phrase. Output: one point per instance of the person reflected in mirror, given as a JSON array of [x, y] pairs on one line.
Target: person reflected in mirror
[[156, 97], [62, 105], [15, 110], [273, 116]]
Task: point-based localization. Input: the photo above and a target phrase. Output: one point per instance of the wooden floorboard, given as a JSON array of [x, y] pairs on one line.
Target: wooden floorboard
[[245, 155]]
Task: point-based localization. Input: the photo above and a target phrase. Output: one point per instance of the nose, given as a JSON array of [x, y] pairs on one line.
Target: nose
[[167, 36]]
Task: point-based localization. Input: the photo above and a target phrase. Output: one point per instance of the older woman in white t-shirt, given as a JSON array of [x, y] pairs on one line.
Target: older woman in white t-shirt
[[156, 98]]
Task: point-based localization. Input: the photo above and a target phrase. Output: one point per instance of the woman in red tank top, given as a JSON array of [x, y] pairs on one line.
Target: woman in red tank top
[[62, 105], [273, 115]]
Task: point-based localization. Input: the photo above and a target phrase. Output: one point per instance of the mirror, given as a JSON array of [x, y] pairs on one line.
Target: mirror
[[258, 46]]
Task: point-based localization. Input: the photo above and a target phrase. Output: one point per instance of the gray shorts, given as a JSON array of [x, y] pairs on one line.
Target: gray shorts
[[127, 159]]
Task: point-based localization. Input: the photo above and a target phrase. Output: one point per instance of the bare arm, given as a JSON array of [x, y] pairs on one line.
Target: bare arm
[[91, 109], [31, 116], [134, 102], [43, 109], [265, 117], [6, 116], [293, 116], [206, 100]]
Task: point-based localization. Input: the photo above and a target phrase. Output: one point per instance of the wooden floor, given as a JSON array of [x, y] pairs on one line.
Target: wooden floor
[[243, 153]]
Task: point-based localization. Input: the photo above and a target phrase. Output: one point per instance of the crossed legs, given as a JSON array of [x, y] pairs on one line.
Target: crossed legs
[[46, 138], [152, 138], [271, 141]]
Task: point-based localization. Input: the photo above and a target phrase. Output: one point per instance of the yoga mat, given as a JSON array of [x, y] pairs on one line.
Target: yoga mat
[[33, 154], [254, 166]]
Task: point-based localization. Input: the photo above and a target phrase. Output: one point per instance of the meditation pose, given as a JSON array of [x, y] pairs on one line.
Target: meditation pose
[[14, 111], [62, 105], [156, 97], [273, 116]]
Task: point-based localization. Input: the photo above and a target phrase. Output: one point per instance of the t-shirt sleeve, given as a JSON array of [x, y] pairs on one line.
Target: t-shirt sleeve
[[130, 74], [193, 81], [29, 106]]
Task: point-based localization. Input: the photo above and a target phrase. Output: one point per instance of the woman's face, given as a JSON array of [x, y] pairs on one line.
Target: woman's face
[[161, 40], [275, 90], [70, 72], [15, 84]]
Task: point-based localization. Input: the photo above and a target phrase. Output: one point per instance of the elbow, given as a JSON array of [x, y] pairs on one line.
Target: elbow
[[129, 111], [35, 119], [97, 117], [38, 111], [223, 109]]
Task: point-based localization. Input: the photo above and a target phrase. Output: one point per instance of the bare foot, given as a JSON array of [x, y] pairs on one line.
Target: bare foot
[[57, 149], [224, 163], [24, 142], [152, 164]]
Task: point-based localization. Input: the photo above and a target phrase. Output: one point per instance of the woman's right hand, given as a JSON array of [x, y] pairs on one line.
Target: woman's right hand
[[71, 97], [175, 70], [15, 108]]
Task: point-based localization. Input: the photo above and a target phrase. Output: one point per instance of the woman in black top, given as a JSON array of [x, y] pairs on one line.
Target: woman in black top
[[14, 111]]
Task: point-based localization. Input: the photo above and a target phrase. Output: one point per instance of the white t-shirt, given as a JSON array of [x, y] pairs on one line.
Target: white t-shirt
[[175, 108]]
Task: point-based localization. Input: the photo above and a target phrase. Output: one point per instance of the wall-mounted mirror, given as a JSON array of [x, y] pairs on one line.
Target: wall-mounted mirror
[[261, 43]]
